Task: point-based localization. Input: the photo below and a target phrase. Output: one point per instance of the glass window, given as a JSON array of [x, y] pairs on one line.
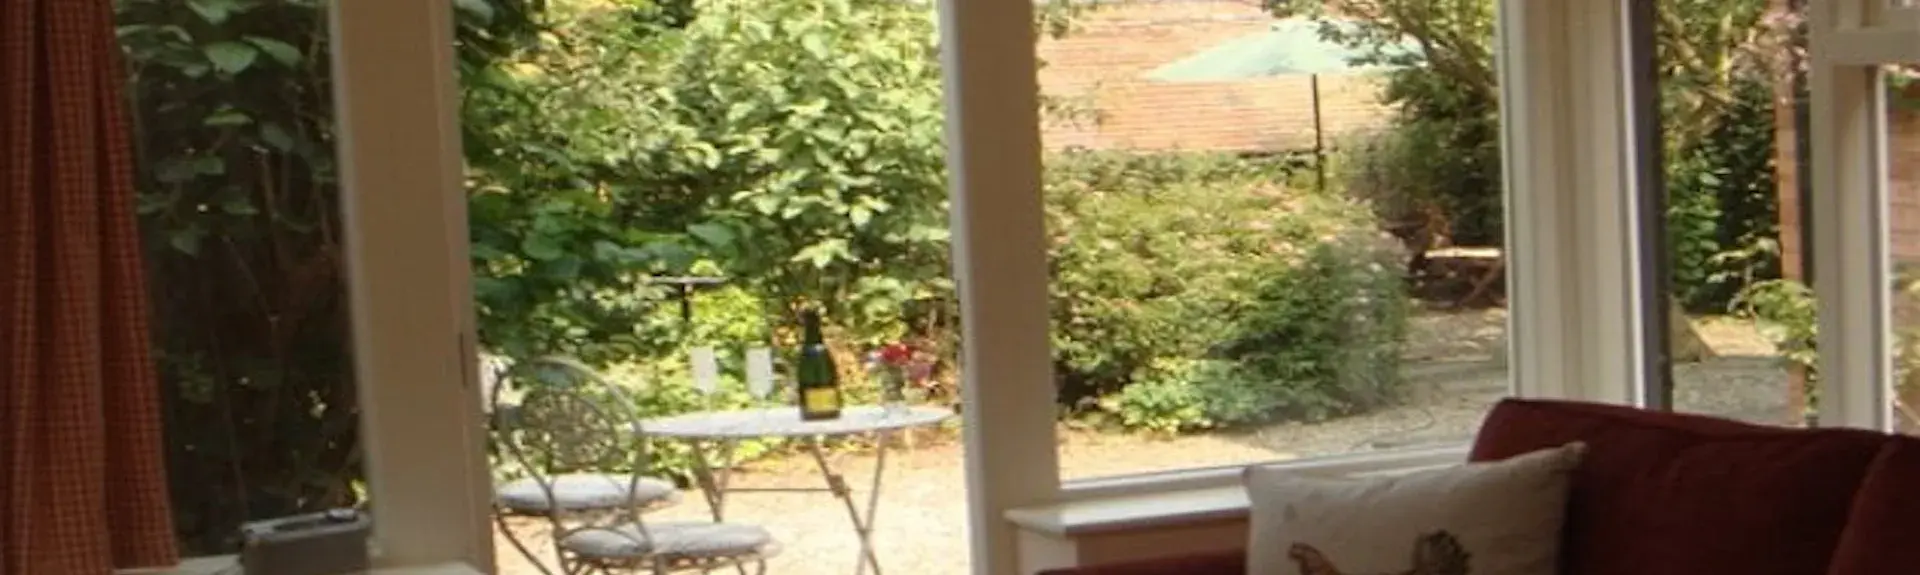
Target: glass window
[[1740, 306], [1258, 251], [240, 206], [661, 189], [1901, 109]]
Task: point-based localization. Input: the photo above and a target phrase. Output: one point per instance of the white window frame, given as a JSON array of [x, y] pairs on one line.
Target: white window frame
[[1848, 42], [1574, 283], [1575, 293], [1000, 267], [1893, 15], [409, 282]]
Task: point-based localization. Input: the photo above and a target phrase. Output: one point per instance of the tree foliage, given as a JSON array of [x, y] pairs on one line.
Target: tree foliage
[[1715, 59], [239, 202], [567, 227], [807, 136]]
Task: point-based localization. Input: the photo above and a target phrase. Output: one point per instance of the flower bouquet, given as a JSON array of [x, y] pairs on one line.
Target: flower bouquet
[[897, 366]]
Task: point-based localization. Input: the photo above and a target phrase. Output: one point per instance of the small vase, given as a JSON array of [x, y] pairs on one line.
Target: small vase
[[893, 392]]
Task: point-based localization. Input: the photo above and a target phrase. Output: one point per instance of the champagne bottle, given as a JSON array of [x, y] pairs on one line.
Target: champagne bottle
[[815, 379]]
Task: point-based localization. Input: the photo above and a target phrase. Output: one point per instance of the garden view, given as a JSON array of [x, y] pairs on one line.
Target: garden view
[[1210, 306]]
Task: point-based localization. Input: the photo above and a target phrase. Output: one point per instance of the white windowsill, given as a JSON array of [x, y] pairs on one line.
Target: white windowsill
[[1102, 488], [229, 565], [1134, 512], [1191, 497]]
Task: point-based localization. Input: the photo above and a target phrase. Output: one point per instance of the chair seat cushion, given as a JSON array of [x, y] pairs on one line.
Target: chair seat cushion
[[584, 491], [670, 540]]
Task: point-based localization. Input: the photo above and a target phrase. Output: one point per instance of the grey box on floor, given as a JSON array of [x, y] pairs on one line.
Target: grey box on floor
[[333, 542]]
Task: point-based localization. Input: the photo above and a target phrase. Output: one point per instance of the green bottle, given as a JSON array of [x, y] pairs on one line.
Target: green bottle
[[815, 379]]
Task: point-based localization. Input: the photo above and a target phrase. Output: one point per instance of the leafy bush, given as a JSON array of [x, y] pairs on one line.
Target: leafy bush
[[565, 228], [1722, 213], [1166, 399], [1161, 261], [806, 135], [1788, 316]]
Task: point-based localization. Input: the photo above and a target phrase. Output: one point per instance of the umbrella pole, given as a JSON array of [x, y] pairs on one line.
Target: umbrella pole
[[1319, 139]]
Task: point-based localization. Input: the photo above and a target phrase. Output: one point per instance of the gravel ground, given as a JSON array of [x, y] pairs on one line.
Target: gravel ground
[[1455, 375], [922, 524]]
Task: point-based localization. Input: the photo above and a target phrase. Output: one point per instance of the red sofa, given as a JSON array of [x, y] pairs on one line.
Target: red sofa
[[1676, 494]]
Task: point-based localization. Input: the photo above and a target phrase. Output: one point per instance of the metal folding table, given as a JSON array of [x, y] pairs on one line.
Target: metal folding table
[[716, 433]]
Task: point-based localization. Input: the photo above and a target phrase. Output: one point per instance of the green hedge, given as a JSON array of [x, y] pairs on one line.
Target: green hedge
[[1195, 291]]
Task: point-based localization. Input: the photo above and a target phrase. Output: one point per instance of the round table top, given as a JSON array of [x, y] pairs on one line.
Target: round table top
[[785, 422]]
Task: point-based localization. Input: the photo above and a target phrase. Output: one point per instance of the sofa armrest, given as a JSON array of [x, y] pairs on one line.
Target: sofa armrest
[[1233, 562]]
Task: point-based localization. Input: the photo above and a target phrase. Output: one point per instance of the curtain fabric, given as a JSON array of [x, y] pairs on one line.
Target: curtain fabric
[[82, 474]]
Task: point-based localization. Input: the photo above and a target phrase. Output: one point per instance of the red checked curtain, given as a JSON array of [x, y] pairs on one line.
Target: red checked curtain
[[82, 479]]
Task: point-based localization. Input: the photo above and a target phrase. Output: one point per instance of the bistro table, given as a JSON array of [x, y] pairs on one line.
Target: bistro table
[[716, 433]]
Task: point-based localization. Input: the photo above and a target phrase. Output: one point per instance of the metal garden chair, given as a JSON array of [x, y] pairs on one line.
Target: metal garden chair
[[575, 437]]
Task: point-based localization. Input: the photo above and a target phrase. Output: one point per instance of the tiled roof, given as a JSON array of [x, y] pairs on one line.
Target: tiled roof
[[1102, 67]]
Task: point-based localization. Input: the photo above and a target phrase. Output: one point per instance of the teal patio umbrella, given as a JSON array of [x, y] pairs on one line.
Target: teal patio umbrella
[[1291, 46]]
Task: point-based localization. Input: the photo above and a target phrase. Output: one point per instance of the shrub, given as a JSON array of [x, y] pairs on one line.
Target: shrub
[[1199, 281], [1722, 212], [1323, 335], [1787, 315], [1166, 399], [805, 145]]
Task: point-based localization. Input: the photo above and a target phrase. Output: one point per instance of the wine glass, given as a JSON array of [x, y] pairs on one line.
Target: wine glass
[[760, 372]]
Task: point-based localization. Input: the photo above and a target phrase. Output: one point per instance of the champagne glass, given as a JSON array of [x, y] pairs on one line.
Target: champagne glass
[[760, 372], [706, 370]]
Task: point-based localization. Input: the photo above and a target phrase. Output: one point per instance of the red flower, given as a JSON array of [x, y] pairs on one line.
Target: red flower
[[896, 354]]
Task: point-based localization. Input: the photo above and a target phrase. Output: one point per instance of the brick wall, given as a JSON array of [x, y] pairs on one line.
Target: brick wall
[[1903, 176], [1101, 68], [1903, 159]]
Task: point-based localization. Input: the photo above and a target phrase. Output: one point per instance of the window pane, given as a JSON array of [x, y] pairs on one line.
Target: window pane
[[1902, 113], [239, 204], [659, 189], [1741, 306], [1257, 254]]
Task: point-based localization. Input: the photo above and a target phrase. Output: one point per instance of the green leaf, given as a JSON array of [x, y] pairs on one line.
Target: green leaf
[[176, 170], [276, 137], [215, 11], [714, 235], [765, 204], [822, 254], [209, 165], [186, 240], [227, 118], [238, 206], [540, 248], [815, 45], [279, 51], [231, 57], [478, 8]]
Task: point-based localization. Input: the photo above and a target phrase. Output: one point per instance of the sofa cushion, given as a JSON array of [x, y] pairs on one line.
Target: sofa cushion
[[1488, 518], [1880, 538], [1675, 494]]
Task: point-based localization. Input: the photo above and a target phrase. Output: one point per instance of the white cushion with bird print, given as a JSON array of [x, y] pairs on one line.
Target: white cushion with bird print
[[1489, 518]]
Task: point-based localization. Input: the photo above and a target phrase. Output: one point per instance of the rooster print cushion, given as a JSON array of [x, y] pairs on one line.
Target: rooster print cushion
[[1492, 518]]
